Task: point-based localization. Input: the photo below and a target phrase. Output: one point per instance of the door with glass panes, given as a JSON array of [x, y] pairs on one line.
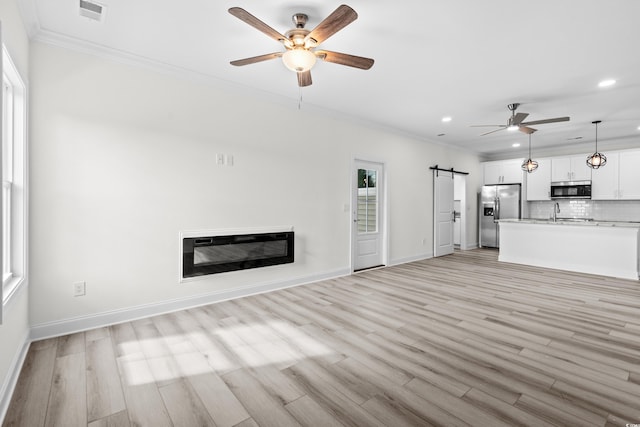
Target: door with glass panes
[[368, 226]]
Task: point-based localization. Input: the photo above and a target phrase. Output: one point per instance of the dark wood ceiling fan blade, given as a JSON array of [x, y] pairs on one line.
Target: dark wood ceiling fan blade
[[245, 16], [340, 18], [497, 130], [345, 59], [304, 78], [518, 118], [254, 59], [526, 129], [542, 122]]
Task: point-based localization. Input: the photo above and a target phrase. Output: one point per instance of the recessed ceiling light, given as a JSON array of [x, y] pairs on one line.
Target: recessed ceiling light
[[446, 119], [515, 144], [607, 83], [638, 127]]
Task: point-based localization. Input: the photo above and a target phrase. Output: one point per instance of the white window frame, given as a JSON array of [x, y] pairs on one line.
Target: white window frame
[[13, 166]]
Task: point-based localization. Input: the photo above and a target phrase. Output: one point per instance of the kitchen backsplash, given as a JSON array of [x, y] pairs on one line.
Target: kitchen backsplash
[[600, 210]]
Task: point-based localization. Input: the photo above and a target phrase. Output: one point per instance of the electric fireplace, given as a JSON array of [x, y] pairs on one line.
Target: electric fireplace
[[220, 253]]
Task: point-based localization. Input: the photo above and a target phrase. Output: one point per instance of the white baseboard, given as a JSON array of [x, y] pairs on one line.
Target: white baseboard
[[10, 381], [405, 260], [471, 246], [83, 323]]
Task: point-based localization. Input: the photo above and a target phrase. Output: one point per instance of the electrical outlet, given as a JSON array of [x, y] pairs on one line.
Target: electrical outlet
[[220, 159], [79, 289]]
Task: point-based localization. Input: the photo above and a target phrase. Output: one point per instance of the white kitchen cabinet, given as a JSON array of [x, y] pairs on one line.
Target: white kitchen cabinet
[[539, 181], [619, 179], [629, 175], [570, 168], [503, 172], [605, 180]]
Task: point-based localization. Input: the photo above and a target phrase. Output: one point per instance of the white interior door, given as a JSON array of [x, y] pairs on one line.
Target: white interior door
[[368, 215], [442, 213]]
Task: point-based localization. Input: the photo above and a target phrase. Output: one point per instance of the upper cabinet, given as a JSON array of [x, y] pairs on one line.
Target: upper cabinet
[[570, 168], [539, 181], [503, 172], [619, 179]]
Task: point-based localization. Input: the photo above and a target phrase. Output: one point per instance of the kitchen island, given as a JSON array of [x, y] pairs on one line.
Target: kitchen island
[[595, 247]]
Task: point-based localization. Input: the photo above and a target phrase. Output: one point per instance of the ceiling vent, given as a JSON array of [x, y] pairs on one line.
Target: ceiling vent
[[92, 10]]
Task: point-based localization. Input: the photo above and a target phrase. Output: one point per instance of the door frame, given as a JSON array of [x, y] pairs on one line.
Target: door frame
[[460, 181], [358, 162]]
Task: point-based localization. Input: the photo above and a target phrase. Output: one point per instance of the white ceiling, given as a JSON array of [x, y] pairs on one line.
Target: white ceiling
[[466, 59]]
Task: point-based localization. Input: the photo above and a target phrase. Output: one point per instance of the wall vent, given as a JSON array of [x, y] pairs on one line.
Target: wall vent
[[92, 10]]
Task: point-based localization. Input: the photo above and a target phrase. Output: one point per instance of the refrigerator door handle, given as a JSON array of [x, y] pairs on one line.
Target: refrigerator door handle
[[496, 213]]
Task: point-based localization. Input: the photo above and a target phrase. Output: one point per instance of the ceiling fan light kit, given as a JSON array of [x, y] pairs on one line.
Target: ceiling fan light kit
[[596, 160], [299, 59], [299, 42]]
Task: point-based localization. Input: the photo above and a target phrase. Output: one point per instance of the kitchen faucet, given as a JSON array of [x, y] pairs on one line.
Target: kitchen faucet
[[556, 210]]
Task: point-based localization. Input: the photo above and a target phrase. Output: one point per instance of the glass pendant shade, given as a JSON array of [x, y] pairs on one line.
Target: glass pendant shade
[[596, 160], [298, 59], [529, 165]]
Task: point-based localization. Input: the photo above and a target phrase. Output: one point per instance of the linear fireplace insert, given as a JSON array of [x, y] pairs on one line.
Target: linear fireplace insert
[[220, 253]]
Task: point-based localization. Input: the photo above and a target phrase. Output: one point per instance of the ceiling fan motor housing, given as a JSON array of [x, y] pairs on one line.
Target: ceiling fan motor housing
[[299, 20]]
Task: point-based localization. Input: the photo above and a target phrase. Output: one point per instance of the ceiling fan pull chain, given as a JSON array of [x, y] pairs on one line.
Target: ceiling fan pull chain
[[299, 97]]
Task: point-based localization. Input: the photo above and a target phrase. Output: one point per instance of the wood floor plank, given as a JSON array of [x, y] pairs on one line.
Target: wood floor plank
[[104, 391], [463, 410], [265, 409], [120, 419], [29, 401], [407, 401], [309, 413], [66, 406], [222, 405], [507, 413], [329, 395], [143, 400], [70, 344], [391, 413], [184, 406]]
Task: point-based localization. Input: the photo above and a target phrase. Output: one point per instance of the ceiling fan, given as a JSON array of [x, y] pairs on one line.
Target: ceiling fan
[[300, 54], [516, 121]]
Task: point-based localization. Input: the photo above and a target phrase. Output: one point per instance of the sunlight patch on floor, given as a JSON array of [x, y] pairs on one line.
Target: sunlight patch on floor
[[221, 350]]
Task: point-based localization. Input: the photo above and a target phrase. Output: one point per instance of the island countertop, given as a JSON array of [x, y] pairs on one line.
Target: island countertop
[[575, 221], [608, 248]]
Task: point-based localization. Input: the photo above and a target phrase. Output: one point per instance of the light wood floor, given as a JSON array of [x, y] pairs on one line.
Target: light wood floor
[[457, 340]]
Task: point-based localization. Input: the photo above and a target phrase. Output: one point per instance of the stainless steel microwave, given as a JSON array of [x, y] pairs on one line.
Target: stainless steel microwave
[[571, 190]]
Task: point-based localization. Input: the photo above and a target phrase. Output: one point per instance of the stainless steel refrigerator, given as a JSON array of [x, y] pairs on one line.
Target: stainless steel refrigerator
[[497, 202]]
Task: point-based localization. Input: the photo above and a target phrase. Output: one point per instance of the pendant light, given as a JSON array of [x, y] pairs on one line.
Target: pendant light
[[596, 160], [529, 165]]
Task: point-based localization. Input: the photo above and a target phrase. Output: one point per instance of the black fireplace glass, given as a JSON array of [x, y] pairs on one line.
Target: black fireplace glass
[[218, 254]]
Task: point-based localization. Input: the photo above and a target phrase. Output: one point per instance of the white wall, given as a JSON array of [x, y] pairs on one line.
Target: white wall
[[123, 159], [14, 330]]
